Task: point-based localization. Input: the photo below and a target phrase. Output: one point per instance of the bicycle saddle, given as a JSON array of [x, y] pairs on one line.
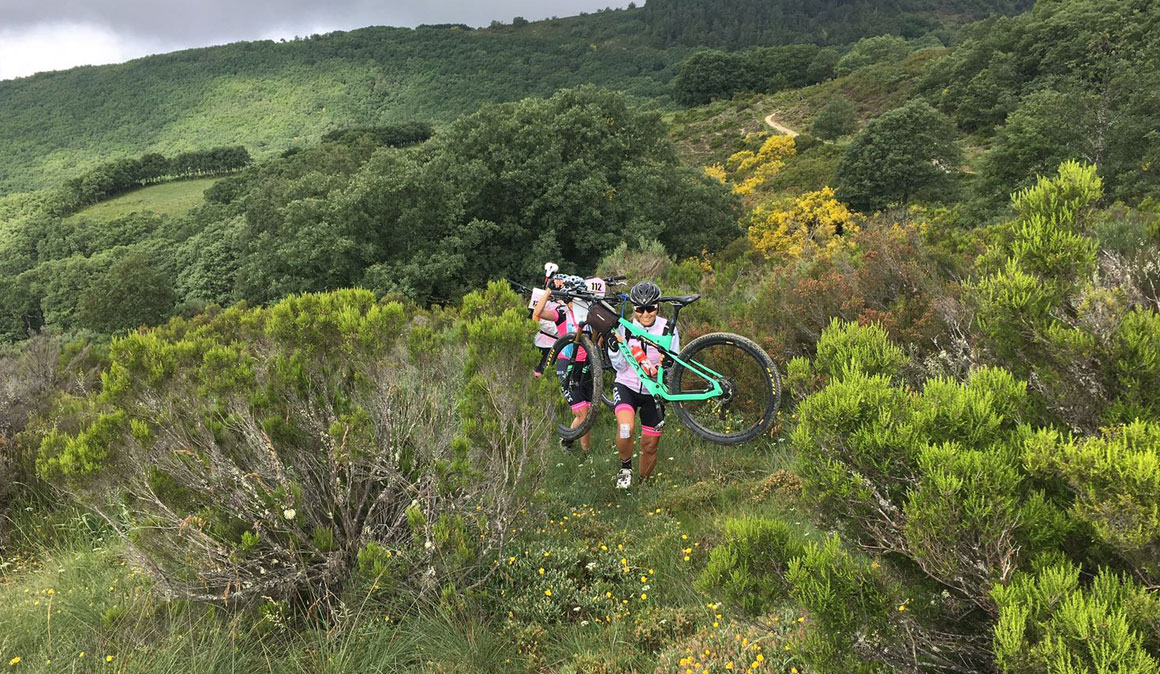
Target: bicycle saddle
[[681, 300]]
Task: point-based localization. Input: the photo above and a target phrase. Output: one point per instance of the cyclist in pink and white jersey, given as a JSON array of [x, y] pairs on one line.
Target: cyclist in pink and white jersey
[[630, 395], [576, 390]]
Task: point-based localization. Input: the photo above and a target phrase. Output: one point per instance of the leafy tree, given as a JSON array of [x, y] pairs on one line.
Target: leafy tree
[[871, 50], [134, 291], [905, 151], [705, 76], [821, 68], [1048, 128], [835, 120]]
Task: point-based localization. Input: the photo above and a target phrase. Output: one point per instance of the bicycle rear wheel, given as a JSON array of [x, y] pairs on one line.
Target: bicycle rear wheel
[[573, 412], [752, 388]]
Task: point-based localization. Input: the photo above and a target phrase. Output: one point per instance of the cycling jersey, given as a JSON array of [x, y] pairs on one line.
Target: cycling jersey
[[624, 373], [566, 322]]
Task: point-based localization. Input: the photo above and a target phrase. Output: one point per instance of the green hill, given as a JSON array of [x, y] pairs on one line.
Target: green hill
[[270, 96]]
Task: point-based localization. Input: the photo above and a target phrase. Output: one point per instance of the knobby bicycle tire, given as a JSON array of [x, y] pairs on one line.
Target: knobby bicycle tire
[[753, 389], [572, 373]]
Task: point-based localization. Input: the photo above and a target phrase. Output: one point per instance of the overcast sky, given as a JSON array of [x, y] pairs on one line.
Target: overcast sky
[[39, 35]]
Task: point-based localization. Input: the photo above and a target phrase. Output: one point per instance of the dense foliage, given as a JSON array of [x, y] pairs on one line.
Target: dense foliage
[[1073, 80], [288, 448], [737, 24], [566, 178], [963, 477], [271, 96]]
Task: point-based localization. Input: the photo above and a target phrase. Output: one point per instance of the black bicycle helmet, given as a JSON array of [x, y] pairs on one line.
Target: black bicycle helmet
[[644, 293]]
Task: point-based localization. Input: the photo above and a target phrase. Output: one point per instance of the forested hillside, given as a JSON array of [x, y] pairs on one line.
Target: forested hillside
[[568, 177], [736, 24], [269, 96]]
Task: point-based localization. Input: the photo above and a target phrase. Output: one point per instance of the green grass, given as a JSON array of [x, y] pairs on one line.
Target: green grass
[[80, 595], [172, 199]]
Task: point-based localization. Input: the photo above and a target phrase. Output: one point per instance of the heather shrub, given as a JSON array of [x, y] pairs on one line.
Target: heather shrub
[[932, 475], [881, 273], [1076, 326], [646, 260], [1113, 479], [1049, 622], [849, 346], [853, 620], [750, 563], [39, 379], [272, 452]]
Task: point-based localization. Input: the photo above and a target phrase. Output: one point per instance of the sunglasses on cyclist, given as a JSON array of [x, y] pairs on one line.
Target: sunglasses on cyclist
[[646, 309]]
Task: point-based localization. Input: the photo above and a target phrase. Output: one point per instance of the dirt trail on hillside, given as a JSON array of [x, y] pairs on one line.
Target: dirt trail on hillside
[[784, 129]]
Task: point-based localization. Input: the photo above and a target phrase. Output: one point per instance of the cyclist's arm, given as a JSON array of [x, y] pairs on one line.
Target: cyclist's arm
[[616, 355], [538, 312]]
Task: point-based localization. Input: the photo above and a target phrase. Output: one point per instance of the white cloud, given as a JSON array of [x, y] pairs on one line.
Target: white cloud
[[57, 46]]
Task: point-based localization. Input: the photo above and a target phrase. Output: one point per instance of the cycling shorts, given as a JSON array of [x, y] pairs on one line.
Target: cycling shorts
[[651, 414], [576, 385]]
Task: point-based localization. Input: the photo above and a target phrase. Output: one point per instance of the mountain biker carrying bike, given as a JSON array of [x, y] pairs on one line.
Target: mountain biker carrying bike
[[546, 334], [629, 395], [577, 391]]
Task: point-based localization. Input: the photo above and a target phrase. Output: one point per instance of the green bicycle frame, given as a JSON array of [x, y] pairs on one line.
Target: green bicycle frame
[[657, 387]]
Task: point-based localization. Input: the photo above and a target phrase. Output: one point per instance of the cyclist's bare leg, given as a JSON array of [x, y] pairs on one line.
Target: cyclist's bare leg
[[648, 454], [625, 421], [586, 439]]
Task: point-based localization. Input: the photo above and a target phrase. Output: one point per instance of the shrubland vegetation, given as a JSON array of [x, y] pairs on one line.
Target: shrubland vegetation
[[963, 477]]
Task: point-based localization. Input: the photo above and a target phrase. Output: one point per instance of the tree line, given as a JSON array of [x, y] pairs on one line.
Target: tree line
[[121, 175], [737, 24]]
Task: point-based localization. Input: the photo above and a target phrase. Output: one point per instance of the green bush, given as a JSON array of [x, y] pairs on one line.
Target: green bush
[[934, 476], [851, 605], [1081, 335], [846, 346], [1114, 479], [750, 563], [286, 447], [1049, 623]]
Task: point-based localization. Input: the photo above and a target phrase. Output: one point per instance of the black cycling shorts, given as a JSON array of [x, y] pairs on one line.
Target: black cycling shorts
[[575, 385], [651, 414]]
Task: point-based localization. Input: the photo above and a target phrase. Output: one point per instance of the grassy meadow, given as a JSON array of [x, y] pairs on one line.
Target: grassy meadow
[[173, 199]]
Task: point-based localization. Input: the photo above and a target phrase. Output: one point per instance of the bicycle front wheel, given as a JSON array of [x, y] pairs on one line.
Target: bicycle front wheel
[[573, 412], [749, 379]]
